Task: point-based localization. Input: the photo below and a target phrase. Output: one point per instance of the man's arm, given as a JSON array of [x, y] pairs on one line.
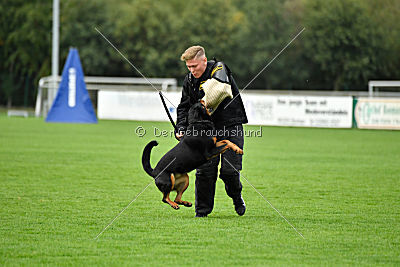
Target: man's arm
[[182, 110]]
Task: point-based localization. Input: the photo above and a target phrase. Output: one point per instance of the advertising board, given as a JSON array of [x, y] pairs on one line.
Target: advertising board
[[261, 109], [377, 113]]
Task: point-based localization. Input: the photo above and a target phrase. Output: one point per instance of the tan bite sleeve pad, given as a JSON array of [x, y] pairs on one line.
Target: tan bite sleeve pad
[[215, 93]]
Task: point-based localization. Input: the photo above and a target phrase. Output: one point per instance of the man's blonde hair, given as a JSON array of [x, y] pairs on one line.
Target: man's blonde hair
[[193, 52]]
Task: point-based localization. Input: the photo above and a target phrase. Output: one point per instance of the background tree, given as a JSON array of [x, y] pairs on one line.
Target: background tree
[[346, 42], [24, 42], [268, 32], [342, 41], [217, 25], [145, 31], [385, 15], [78, 20]]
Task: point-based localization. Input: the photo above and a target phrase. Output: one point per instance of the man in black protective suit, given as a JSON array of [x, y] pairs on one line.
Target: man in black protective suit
[[214, 76]]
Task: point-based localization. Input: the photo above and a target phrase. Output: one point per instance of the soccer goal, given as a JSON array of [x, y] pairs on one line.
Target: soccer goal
[[48, 89], [380, 84]]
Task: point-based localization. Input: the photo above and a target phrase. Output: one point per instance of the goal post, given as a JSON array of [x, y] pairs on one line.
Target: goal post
[[372, 84], [47, 93]]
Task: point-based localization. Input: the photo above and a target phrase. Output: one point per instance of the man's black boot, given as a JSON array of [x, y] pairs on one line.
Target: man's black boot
[[240, 206]]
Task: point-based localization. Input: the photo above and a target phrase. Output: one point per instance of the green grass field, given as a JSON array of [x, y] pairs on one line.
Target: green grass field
[[61, 184]]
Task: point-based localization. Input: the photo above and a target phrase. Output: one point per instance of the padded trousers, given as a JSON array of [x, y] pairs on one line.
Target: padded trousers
[[231, 164]]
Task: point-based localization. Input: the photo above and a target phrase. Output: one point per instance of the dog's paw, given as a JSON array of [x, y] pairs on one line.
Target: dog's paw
[[237, 150], [184, 203], [175, 206]]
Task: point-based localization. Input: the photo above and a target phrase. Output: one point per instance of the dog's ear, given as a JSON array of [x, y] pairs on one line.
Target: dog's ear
[[197, 112], [198, 107], [204, 112]]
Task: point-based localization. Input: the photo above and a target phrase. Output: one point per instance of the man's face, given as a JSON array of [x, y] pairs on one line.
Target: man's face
[[197, 66]]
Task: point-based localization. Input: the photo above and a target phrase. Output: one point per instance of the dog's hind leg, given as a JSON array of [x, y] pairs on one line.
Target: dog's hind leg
[[168, 190], [167, 200], [181, 184]]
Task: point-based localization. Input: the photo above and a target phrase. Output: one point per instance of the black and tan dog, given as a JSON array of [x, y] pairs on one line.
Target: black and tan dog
[[196, 147]]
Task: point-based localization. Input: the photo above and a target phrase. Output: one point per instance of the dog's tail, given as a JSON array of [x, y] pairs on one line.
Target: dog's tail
[[146, 157]]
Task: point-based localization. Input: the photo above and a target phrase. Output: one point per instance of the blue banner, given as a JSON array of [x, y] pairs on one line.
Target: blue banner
[[72, 103]]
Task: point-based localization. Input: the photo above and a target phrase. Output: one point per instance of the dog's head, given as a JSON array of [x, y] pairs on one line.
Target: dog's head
[[199, 112]]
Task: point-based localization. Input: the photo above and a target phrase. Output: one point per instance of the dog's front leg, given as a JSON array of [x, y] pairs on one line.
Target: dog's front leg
[[230, 145]]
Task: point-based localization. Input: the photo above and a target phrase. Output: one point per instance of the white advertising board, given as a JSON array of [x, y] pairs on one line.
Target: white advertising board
[[377, 113], [136, 105], [306, 111]]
